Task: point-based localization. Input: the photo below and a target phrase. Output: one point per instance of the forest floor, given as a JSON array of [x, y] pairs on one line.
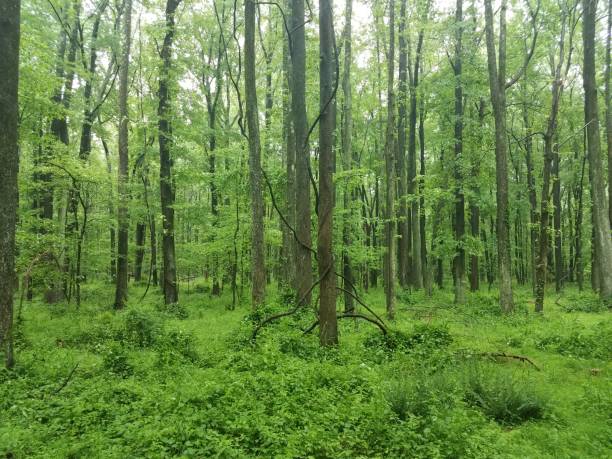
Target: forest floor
[[186, 381]]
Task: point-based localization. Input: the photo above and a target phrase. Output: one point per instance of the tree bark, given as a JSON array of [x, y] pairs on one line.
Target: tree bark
[[347, 157], [389, 257], [166, 180], [121, 290], [302, 153], [9, 158], [497, 83], [603, 239], [459, 221], [258, 267], [404, 229], [328, 326]]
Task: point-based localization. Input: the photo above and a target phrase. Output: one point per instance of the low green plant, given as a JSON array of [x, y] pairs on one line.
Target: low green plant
[[115, 361], [176, 310], [176, 346], [140, 329], [502, 396]]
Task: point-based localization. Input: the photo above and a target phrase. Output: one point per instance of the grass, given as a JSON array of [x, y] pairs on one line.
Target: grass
[[185, 382]]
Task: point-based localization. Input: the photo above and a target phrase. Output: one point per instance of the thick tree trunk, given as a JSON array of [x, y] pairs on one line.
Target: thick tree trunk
[[166, 180], [302, 153], [121, 290], [557, 220], [608, 95], [9, 158], [497, 82], [603, 239], [328, 326], [258, 267]]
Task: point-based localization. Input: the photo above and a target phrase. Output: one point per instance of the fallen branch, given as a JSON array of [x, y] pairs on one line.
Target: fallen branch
[[354, 316], [497, 355], [67, 380], [297, 307]]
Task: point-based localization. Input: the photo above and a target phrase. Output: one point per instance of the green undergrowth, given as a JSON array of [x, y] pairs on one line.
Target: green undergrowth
[[188, 381]]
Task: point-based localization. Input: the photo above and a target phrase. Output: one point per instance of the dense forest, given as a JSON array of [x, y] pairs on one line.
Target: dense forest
[[362, 228]]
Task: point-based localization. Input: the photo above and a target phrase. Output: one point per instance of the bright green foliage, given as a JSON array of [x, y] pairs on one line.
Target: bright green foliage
[[149, 384]]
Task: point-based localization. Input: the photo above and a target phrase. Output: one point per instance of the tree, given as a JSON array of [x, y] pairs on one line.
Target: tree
[[601, 222], [459, 223], [328, 327], [121, 290], [347, 158], [9, 158], [258, 268], [166, 181], [389, 257], [302, 155]]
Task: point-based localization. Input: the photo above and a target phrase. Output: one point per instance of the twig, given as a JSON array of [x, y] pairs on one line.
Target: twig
[[522, 358], [354, 316], [67, 380]]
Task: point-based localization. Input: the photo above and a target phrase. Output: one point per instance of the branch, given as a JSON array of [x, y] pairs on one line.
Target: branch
[[354, 316], [521, 71]]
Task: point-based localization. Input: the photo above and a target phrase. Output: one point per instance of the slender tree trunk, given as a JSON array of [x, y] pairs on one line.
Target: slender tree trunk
[[497, 82], [557, 220], [608, 95], [402, 222], [328, 327], [121, 290], [603, 239], [302, 152], [347, 155], [459, 223], [258, 267], [9, 158], [138, 259], [422, 220], [289, 243], [389, 257], [417, 268]]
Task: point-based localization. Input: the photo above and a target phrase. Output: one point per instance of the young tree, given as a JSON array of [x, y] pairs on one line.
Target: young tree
[[166, 181], [9, 158], [121, 290], [601, 222], [258, 268]]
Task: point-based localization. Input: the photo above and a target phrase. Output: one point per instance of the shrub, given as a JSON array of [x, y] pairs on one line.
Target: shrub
[[584, 302], [423, 335], [140, 329], [115, 360], [176, 346], [173, 309], [595, 343], [504, 398]]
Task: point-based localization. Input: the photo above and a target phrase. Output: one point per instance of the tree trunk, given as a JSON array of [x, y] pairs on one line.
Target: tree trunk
[[9, 158], [328, 327], [389, 257], [122, 176], [497, 82], [166, 180], [417, 268], [603, 239], [402, 221], [347, 155], [459, 221], [302, 153], [258, 267]]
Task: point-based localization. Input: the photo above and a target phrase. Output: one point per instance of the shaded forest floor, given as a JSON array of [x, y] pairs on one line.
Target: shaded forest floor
[[185, 382]]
